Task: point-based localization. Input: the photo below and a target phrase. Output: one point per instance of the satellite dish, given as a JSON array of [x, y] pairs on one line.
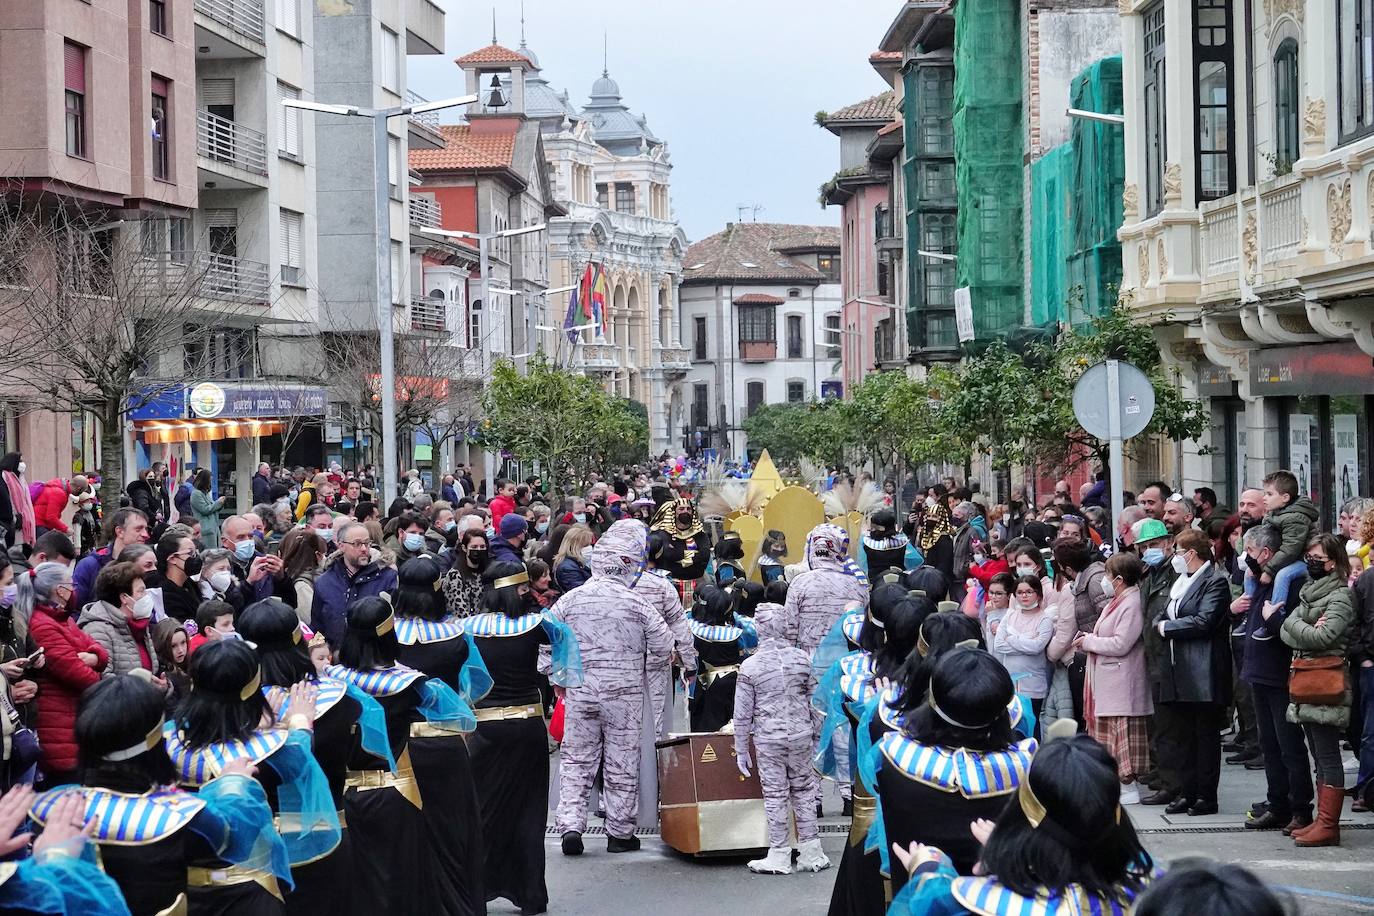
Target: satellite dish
[[1135, 401]]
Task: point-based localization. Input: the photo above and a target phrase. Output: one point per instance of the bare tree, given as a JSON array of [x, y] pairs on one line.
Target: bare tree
[[107, 324]]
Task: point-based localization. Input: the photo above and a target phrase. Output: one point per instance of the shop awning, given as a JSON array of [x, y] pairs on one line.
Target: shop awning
[[158, 432]]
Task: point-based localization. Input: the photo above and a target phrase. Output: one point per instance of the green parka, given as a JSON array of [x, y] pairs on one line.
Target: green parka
[[1327, 600]]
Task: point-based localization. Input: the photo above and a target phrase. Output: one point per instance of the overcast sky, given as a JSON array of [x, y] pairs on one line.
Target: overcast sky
[[731, 85]]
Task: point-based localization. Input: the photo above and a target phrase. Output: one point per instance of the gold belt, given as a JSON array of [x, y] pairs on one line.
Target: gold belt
[[865, 807], [426, 730], [499, 713], [713, 674], [292, 822], [234, 874], [178, 907], [403, 780]]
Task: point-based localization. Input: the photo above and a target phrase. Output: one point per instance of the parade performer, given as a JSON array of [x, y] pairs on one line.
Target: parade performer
[[62, 875], [817, 597], [346, 721], [773, 711], [387, 810], [722, 638], [656, 586], [435, 644], [1064, 844], [689, 551], [618, 633], [955, 760], [148, 832], [225, 717], [510, 753]]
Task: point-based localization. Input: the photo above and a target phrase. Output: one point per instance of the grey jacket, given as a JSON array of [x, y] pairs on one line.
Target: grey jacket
[[108, 626]]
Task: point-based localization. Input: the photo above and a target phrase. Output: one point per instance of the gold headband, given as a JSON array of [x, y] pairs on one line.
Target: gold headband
[[296, 636], [252, 686], [386, 626], [147, 744], [519, 578], [1030, 805], [922, 646]]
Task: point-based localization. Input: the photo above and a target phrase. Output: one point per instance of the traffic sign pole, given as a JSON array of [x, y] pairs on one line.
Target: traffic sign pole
[[1115, 474]]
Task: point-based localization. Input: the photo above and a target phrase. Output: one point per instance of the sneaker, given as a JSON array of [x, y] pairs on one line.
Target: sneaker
[[777, 862], [1351, 764], [616, 844], [572, 843], [810, 857], [1130, 795]]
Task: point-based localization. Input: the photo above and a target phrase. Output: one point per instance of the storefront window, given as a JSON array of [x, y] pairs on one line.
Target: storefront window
[[1349, 452]]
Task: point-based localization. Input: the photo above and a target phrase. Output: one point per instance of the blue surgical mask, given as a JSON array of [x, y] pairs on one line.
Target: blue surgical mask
[[244, 550], [541, 527], [449, 526], [7, 595], [580, 517], [414, 542], [1154, 556]]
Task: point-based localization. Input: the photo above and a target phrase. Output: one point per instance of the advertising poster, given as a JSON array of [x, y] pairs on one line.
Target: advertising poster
[[1242, 459], [1300, 450], [1347, 458]]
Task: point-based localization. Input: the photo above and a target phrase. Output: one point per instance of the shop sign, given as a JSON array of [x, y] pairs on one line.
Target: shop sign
[[1214, 381], [214, 400], [1313, 369]]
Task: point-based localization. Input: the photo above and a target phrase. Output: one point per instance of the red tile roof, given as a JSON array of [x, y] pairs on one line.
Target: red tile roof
[[885, 57], [494, 54], [759, 299], [757, 253], [889, 128], [464, 149], [879, 108]]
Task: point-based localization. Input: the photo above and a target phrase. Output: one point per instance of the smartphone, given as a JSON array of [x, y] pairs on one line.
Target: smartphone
[[35, 656]]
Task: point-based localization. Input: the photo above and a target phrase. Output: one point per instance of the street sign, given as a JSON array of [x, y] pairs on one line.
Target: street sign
[[963, 314], [1114, 401]]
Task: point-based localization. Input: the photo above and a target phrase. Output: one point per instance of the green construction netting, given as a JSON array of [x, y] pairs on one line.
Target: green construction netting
[[988, 161], [1076, 208]]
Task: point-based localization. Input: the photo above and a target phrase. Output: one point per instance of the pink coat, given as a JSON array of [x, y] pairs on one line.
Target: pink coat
[[1118, 682]]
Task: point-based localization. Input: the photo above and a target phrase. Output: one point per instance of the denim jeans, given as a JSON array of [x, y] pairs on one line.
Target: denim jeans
[[1286, 770], [1367, 735]]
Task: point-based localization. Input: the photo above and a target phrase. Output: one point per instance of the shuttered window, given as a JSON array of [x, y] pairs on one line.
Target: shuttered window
[[391, 60], [289, 17], [291, 223], [74, 97], [398, 276], [214, 92], [393, 150], [289, 130]]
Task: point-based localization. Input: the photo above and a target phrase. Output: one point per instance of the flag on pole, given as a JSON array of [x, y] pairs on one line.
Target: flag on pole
[[574, 310], [598, 298]]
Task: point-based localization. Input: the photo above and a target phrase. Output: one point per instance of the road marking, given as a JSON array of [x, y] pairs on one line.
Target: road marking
[[1329, 895]]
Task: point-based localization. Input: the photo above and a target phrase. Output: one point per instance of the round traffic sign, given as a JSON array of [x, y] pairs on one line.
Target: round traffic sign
[[1135, 401]]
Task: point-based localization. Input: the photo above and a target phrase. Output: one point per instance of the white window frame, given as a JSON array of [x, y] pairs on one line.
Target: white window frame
[[391, 61], [288, 17], [290, 125], [399, 290], [292, 236]]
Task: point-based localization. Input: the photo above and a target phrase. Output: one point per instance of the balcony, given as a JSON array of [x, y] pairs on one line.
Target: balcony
[[428, 315], [228, 28], [598, 356], [425, 212], [424, 27], [206, 275], [231, 151], [673, 359], [758, 351], [423, 127]]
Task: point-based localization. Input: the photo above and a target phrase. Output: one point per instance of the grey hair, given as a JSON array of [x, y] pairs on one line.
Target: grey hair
[[34, 589], [132, 552], [1357, 506], [1264, 537], [214, 555], [966, 509]]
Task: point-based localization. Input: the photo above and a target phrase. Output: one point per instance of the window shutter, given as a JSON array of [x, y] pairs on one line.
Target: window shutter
[[160, 87], [220, 219], [391, 49], [290, 139], [290, 239], [216, 92], [74, 66]]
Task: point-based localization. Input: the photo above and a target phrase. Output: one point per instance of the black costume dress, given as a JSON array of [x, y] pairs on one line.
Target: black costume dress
[[453, 823], [860, 888], [510, 757], [720, 651]]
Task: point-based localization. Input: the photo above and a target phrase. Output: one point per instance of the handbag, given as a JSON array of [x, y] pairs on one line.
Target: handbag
[[1318, 681]]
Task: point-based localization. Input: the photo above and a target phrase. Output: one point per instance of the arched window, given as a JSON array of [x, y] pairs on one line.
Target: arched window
[[1286, 101]]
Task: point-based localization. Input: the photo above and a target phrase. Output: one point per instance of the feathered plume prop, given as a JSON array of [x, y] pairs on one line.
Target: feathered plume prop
[[861, 496]]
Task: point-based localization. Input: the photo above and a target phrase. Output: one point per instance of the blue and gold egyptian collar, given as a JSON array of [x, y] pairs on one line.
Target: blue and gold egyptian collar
[[986, 897], [856, 677], [380, 682], [973, 774], [197, 766], [330, 692], [714, 633], [851, 625], [501, 625], [127, 820], [411, 631]]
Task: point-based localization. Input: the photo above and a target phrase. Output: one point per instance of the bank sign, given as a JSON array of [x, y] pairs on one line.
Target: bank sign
[[215, 400]]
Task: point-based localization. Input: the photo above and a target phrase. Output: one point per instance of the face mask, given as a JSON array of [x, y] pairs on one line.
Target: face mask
[[541, 527], [326, 533], [930, 502], [450, 526], [244, 550], [477, 559], [580, 517], [220, 580], [1153, 557], [23, 467], [1022, 570], [414, 542], [1352, 547], [1180, 565], [192, 565], [1316, 569], [979, 559], [1107, 588], [1253, 565], [7, 594], [1027, 604], [143, 607]]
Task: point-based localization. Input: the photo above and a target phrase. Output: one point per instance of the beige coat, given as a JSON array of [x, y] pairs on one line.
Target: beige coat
[[1117, 680]]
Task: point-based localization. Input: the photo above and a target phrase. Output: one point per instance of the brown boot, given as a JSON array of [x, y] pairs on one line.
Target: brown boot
[[1298, 823], [1326, 830]]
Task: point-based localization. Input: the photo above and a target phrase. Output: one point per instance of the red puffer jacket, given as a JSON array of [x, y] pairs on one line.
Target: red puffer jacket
[[48, 505], [61, 681]]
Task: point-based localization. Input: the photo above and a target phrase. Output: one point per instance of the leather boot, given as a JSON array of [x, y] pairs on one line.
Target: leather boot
[[1326, 830]]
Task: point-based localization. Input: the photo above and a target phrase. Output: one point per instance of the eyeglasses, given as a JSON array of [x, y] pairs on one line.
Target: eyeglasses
[[358, 544]]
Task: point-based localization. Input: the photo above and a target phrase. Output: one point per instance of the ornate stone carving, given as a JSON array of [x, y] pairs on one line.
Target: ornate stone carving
[[1338, 215], [1130, 201], [1249, 248], [1173, 183], [1125, 296], [1314, 123], [1163, 260], [1123, 7], [1233, 330], [1294, 323], [1273, 9], [1142, 254]]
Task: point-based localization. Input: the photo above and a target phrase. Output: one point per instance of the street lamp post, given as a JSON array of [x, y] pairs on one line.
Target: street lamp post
[[382, 214]]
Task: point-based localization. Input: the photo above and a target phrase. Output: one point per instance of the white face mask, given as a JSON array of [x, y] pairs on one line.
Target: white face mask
[[1028, 604], [220, 580], [1026, 570], [1108, 588], [143, 607], [1180, 565], [23, 467]]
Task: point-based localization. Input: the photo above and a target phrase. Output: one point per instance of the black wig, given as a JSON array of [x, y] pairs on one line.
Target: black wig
[[418, 593], [363, 647], [273, 627], [966, 704], [217, 709], [116, 714]]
